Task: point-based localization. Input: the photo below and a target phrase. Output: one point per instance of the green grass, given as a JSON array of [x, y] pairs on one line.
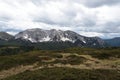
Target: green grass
[[42, 56], [66, 74], [9, 61], [104, 53], [71, 59]]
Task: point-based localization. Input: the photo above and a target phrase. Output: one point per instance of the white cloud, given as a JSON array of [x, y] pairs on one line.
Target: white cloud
[[88, 17]]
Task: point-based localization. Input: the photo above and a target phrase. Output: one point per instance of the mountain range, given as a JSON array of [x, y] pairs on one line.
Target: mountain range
[[5, 36], [52, 37], [115, 42]]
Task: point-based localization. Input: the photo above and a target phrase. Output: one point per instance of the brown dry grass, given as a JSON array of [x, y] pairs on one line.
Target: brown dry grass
[[91, 63]]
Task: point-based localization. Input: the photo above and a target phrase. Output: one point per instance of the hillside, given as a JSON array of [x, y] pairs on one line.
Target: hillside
[[51, 37], [61, 64], [5, 36], [115, 42]]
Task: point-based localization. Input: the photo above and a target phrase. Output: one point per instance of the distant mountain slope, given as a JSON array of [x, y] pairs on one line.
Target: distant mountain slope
[[40, 35], [50, 39], [5, 36], [115, 42]]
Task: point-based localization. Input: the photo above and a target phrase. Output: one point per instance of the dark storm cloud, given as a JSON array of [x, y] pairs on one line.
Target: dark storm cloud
[[89, 3], [112, 27], [62, 16], [98, 3], [6, 27], [5, 18], [88, 22]]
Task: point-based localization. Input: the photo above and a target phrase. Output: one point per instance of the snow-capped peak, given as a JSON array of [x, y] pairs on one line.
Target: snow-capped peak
[[40, 35]]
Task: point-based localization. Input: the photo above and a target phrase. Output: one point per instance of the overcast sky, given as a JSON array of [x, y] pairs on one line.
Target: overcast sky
[[86, 17]]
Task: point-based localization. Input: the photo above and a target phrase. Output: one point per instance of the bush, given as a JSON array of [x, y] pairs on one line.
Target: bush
[[72, 59], [66, 74]]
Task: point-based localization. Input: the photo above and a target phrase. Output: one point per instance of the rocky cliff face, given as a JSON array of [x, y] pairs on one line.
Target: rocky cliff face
[[40, 35]]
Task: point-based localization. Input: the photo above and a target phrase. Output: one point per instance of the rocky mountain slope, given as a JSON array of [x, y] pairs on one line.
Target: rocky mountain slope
[[5, 36], [40, 35]]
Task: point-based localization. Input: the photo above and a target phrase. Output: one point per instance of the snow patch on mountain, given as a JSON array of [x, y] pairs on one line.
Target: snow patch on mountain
[[32, 40], [25, 36], [84, 41], [40, 35], [45, 39], [66, 39]]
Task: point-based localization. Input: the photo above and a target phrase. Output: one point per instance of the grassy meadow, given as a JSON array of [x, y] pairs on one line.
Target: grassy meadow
[[18, 63]]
